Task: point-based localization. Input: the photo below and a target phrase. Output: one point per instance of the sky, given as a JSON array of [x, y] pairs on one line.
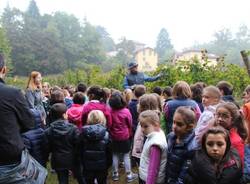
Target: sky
[[187, 21]]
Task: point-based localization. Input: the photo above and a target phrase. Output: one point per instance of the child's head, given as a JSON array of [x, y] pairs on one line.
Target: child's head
[[57, 96], [58, 111], [148, 102], [96, 117], [196, 92], [81, 87], [139, 90], [184, 121], [128, 95], [181, 90], [167, 92], [79, 98], [96, 93], [216, 142], [157, 90], [228, 116], [149, 121], [246, 95], [117, 101], [211, 96], [225, 88]]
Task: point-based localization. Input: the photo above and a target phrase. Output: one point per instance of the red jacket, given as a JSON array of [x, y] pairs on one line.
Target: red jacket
[[237, 143], [121, 128]]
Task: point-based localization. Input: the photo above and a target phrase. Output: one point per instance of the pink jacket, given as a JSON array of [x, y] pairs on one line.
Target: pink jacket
[[121, 128], [74, 114], [138, 142], [96, 105]]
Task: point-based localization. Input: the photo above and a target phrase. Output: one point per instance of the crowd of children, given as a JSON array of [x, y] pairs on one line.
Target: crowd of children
[[192, 135]]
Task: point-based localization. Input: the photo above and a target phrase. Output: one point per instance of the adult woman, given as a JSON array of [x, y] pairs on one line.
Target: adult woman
[[33, 94]]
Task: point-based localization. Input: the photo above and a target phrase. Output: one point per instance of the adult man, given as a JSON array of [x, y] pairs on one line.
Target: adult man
[[15, 118], [134, 77]]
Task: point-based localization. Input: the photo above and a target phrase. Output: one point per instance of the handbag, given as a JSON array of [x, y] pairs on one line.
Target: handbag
[[28, 171]]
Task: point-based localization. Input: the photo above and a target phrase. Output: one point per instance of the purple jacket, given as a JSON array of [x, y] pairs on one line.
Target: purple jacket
[[121, 128]]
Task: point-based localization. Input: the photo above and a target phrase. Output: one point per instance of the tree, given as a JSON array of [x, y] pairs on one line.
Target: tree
[[164, 47], [5, 48], [107, 42], [33, 10]]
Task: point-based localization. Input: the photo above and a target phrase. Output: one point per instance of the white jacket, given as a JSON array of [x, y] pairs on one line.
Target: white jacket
[[158, 139]]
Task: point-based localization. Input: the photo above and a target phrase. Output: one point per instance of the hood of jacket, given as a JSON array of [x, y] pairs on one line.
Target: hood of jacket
[[75, 112], [61, 127], [94, 132]]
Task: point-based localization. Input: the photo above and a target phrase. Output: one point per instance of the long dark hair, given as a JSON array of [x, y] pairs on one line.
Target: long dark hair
[[216, 130]]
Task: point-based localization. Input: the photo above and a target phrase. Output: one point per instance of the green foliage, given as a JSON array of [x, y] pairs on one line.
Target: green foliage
[[193, 71]]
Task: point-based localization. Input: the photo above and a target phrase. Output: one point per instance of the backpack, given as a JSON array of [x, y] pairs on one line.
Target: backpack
[[246, 170]]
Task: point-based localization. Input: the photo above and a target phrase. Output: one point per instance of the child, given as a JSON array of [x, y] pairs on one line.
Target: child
[[228, 116], [146, 102], [75, 111], [180, 145], [216, 162], [167, 94], [197, 94], [96, 155], [210, 99], [139, 90], [121, 132], [154, 155], [61, 138], [97, 101], [181, 97]]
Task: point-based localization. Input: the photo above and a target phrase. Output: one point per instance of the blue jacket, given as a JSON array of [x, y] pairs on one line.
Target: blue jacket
[[172, 105], [34, 142], [138, 78], [95, 148], [132, 106], [179, 157]]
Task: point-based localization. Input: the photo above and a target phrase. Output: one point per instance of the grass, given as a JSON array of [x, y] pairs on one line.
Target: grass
[[52, 178]]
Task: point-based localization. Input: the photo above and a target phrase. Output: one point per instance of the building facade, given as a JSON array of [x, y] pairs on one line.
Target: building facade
[[147, 59]]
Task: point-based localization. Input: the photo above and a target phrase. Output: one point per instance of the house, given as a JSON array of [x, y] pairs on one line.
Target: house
[[201, 55], [147, 59]]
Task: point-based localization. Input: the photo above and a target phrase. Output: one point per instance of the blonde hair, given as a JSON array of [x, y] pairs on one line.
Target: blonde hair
[[152, 116], [96, 117], [31, 82], [181, 89], [214, 91]]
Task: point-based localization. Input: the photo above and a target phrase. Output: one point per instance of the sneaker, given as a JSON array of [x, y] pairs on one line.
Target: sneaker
[[131, 177], [115, 176]]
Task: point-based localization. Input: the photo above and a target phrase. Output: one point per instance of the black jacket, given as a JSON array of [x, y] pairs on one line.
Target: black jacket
[[62, 140], [95, 148], [15, 118], [202, 171]]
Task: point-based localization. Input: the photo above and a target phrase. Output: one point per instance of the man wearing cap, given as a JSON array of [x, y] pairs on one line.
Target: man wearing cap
[[15, 118], [134, 77]]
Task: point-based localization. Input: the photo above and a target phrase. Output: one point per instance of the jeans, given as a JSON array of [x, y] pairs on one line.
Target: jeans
[[63, 176], [28, 171]]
